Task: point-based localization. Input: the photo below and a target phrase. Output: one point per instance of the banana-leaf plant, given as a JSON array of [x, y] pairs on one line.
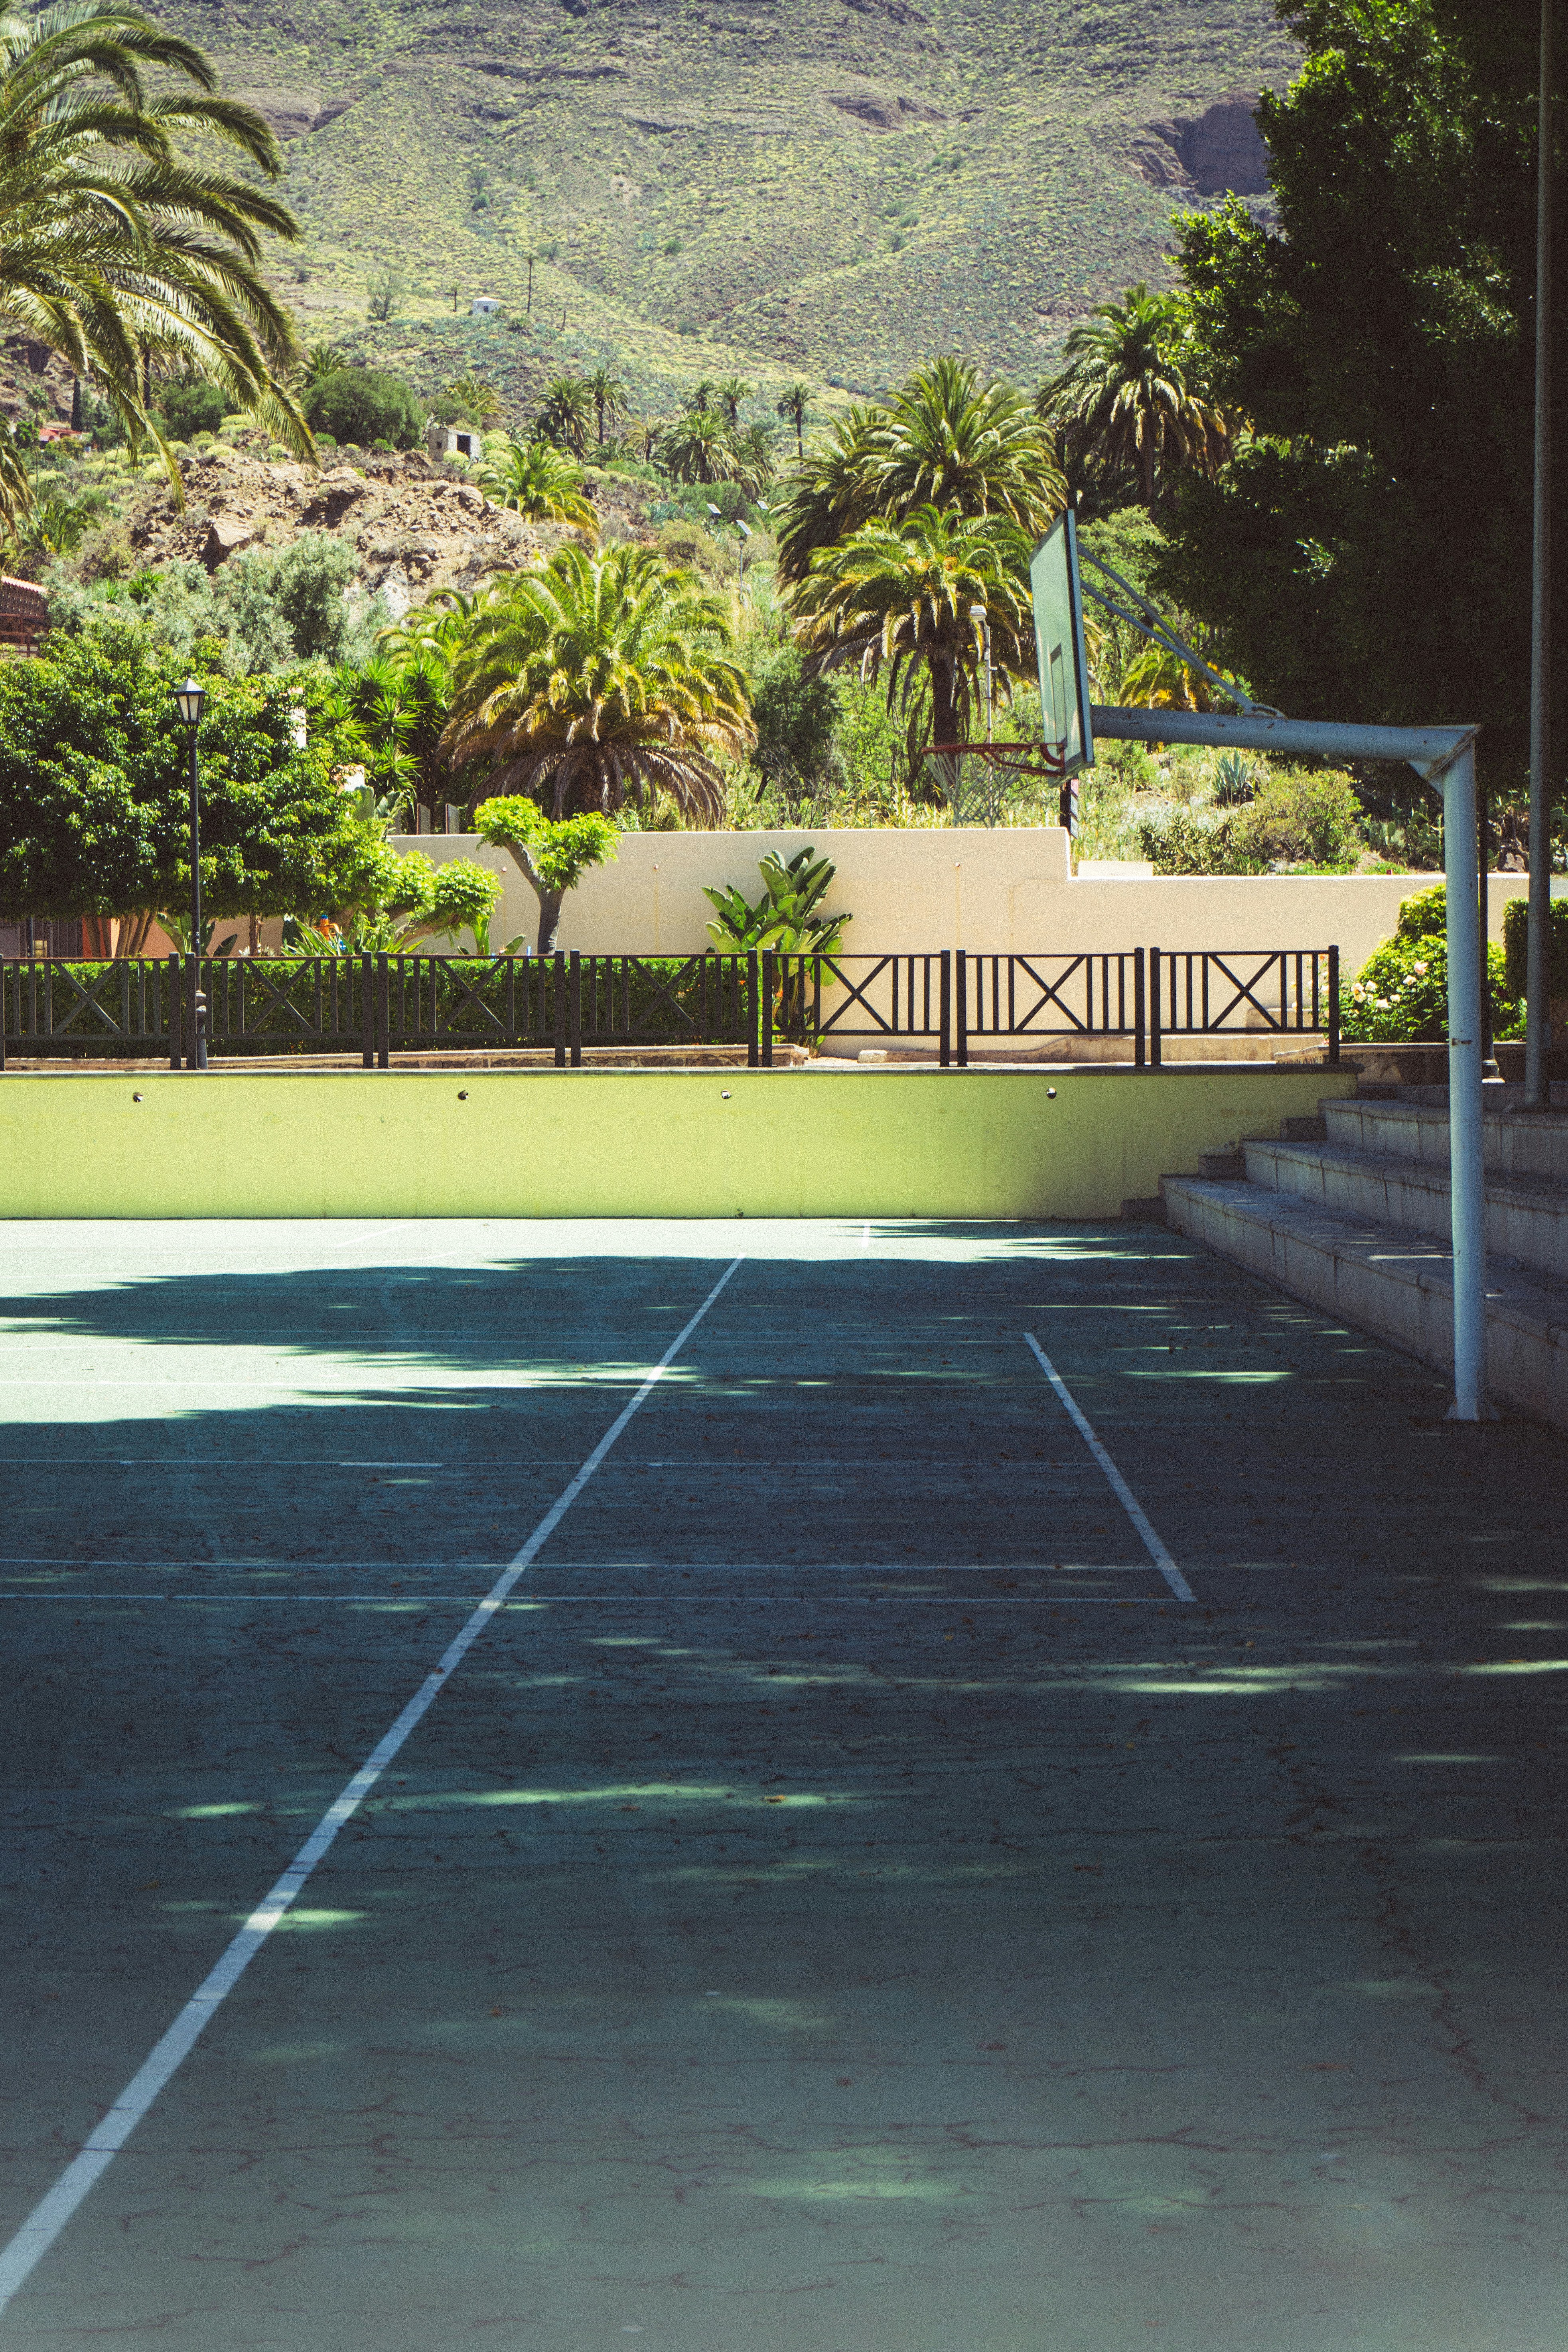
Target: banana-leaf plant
[[788, 919]]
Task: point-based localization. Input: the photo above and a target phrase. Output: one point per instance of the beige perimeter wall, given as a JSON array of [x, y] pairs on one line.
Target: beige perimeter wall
[[961, 887]]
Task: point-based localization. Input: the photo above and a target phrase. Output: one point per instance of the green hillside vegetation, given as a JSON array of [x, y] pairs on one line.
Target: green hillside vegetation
[[833, 189]]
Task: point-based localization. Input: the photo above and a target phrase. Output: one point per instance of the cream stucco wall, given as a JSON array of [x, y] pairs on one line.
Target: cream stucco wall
[[933, 888]]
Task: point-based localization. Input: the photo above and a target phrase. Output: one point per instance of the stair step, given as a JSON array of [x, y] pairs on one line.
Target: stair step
[[1526, 1216], [1513, 1144], [1304, 1130], [1149, 1211], [1394, 1284], [1217, 1166]]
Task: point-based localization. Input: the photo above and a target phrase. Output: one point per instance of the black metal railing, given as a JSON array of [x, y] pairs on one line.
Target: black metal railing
[[183, 1006], [1201, 993]]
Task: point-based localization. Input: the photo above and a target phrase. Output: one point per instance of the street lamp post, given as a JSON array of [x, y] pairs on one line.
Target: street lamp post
[[190, 699]]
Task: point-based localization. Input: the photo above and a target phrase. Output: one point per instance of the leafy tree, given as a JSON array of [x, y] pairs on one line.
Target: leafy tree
[[94, 804], [601, 674], [115, 251], [463, 897], [563, 414], [384, 294], [951, 439], [1125, 394], [537, 480], [793, 404], [796, 714], [903, 595], [552, 854], [363, 406], [1366, 552], [608, 394], [198, 406], [289, 605]]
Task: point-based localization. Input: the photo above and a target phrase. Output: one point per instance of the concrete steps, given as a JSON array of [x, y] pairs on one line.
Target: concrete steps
[[1350, 1213]]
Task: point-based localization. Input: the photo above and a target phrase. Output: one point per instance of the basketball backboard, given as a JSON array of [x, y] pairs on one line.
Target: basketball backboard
[[1059, 643]]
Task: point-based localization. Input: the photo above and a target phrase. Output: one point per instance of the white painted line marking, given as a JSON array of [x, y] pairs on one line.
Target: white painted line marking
[[1124, 1495], [866, 1237], [377, 1233], [50, 2217]]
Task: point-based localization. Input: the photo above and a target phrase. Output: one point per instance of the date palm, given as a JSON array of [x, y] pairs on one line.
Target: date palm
[[479, 400], [901, 596], [698, 446], [114, 251], [608, 394], [596, 679], [535, 479], [793, 404], [951, 438], [1123, 395], [563, 414], [730, 392]]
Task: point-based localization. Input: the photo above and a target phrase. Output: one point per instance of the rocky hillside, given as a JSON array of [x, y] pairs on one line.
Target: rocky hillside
[[830, 188]]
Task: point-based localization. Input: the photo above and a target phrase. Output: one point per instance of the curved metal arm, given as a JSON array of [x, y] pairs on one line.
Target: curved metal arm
[[1152, 624]]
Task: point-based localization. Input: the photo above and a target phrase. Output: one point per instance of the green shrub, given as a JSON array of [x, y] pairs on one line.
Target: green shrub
[[1303, 817], [365, 405], [1402, 990], [1515, 945], [191, 408]]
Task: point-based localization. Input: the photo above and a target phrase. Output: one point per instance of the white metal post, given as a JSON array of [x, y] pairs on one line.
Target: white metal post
[[1466, 1134]]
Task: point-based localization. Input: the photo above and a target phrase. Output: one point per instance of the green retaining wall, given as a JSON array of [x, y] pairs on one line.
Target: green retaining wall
[[657, 1143]]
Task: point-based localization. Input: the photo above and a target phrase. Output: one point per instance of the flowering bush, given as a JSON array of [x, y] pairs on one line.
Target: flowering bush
[[1401, 991]]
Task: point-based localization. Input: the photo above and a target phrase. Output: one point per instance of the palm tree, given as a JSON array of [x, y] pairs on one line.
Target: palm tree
[[1123, 396], [115, 251], [731, 391], [698, 447], [901, 594], [319, 362], [608, 394], [700, 396], [751, 458], [480, 402], [598, 676], [793, 404], [563, 414], [950, 439], [534, 478]]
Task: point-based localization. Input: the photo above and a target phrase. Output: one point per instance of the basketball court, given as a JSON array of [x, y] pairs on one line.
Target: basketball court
[[585, 1782]]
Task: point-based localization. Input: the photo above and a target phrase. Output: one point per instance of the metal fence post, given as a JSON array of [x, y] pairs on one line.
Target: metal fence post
[[1154, 1008], [575, 1009], [962, 966], [558, 1005], [367, 1014], [767, 1009], [1140, 1011], [946, 1059], [175, 1003], [383, 1015], [752, 1009], [1333, 1008]]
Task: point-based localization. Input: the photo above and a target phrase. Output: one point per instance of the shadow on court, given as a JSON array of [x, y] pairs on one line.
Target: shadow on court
[[844, 1900]]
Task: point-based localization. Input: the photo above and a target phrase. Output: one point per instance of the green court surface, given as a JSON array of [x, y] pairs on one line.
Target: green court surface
[[844, 1897]]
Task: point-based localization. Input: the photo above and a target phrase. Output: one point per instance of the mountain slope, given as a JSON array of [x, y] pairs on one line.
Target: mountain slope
[[832, 188]]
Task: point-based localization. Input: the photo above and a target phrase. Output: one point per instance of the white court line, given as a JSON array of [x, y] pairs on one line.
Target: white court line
[[50, 2217], [1124, 1495], [376, 1233], [866, 1237]]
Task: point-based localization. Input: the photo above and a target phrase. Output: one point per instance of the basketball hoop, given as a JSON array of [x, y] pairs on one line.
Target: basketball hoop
[[1017, 759], [1040, 760]]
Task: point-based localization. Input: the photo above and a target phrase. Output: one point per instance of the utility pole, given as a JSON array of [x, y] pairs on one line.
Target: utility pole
[[1538, 979]]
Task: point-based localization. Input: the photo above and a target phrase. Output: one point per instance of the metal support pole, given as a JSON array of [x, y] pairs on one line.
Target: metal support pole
[[946, 1054], [1538, 984], [1153, 1008], [1489, 1065], [960, 958], [384, 1013], [574, 1007], [196, 940], [754, 1007], [1467, 1166], [557, 1001], [1333, 1008], [767, 1008], [367, 1013], [176, 1000]]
